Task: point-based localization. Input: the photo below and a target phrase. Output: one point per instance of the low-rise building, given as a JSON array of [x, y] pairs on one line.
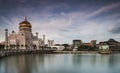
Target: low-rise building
[[58, 48], [77, 43], [113, 44], [87, 44], [104, 49]]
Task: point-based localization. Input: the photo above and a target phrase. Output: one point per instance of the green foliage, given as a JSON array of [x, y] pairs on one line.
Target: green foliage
[[1, 47], [66, 47], [87, 48]]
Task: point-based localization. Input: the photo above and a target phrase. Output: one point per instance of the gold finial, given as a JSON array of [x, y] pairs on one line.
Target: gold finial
[[25, 18]]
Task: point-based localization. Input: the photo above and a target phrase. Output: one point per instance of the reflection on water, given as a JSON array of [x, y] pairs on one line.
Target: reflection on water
[[61, 63]]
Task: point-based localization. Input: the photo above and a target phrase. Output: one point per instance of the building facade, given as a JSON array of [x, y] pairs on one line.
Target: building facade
[[93, 42], [50, 43], [113, 44], [77, 43], [24, 39]]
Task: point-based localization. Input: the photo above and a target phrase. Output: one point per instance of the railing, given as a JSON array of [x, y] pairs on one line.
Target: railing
[[10, 52]]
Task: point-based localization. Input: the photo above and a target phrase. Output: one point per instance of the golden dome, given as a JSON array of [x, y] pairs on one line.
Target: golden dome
[[25, 23]]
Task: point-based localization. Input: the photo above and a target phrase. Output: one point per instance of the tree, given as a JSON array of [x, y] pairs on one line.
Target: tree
[[66, 47], [2, 47]]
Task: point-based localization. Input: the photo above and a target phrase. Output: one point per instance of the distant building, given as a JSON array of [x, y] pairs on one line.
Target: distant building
[[113, 44], [77, 43], [50, 43], [93, 42], [58, 48], [87, 44], [104, 49]]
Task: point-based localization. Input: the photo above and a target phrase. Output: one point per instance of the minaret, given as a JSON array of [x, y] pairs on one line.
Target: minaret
[[52, 42], [48, 43], [37, 34], [6, 38], [44, 40]]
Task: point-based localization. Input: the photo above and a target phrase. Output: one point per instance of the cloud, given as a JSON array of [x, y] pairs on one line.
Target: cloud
[[65, 26], [104, 9], [115, 30], [75, 25]]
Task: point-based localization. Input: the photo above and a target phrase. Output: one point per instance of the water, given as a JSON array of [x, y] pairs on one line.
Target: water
[[61, 63]]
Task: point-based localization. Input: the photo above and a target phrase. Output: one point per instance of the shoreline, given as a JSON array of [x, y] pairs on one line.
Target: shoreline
[[20, 52], [75, 52]]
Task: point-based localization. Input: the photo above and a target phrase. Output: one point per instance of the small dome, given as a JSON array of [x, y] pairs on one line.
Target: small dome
[[25, 23]]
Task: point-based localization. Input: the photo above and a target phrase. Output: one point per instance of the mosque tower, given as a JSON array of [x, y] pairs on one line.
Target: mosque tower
[[43, 40], [6, 38], [25, 33]]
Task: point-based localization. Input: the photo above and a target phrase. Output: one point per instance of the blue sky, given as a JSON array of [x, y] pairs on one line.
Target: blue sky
[[64, 20]]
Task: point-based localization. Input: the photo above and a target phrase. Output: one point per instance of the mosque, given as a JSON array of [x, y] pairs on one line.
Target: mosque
[[24, 39]]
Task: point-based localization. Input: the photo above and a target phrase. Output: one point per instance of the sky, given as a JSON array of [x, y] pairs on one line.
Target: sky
[[63, 20]]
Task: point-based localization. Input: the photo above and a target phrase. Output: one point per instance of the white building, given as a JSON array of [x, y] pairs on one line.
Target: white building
[[24, 39], [104, 49], [50, 43], [58, 48]]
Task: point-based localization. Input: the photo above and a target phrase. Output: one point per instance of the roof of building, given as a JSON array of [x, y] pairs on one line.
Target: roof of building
[[25, 23], [87, 44], [112, 40]]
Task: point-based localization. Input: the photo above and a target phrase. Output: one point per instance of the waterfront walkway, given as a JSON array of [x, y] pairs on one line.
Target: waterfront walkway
[[11, 52], [76, 52]]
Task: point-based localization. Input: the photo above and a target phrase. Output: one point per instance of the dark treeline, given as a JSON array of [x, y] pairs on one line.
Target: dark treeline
[[87, 48]]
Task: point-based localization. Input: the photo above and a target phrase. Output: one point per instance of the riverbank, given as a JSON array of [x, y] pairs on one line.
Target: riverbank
[[6, 53], [75, 52]]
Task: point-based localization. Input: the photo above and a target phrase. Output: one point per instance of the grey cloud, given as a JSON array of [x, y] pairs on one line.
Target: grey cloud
[[115, 30], [104, 9]]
